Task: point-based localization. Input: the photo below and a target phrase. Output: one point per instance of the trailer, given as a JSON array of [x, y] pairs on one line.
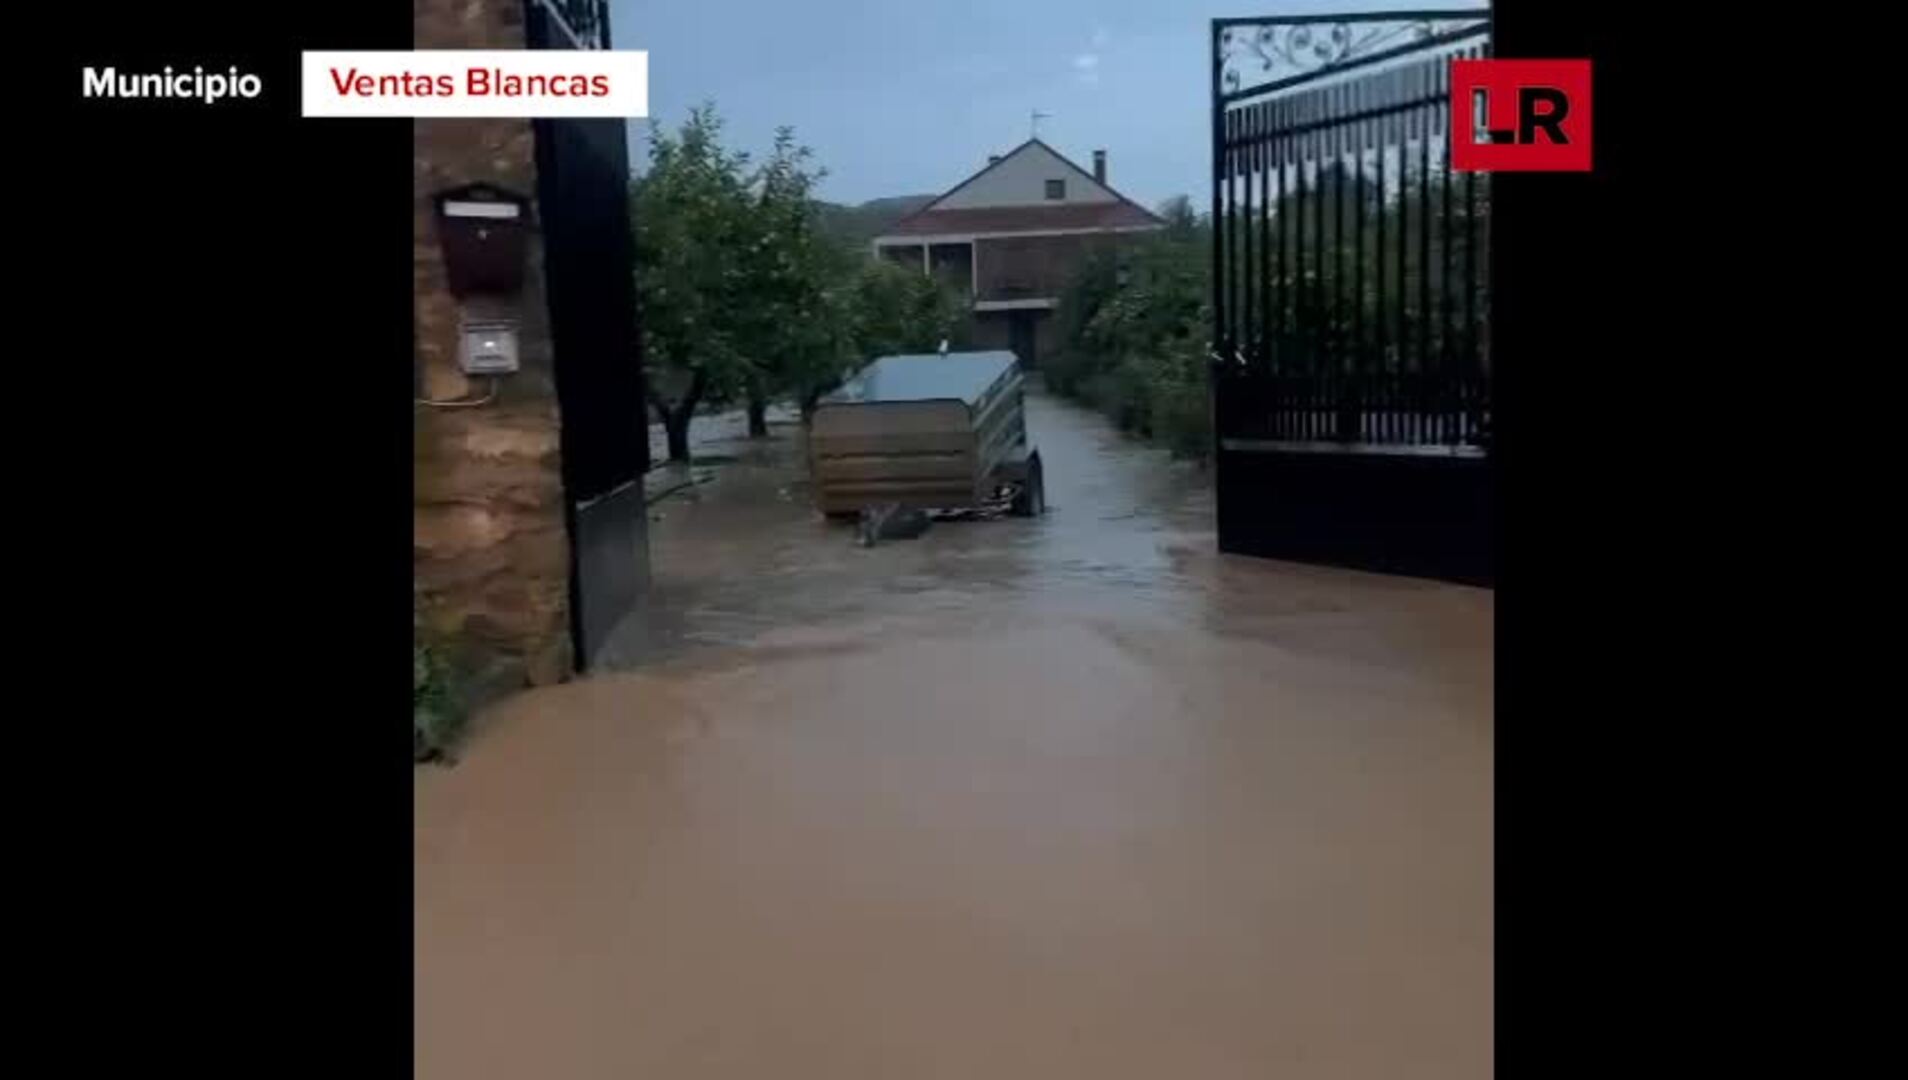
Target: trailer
[[931, 431]]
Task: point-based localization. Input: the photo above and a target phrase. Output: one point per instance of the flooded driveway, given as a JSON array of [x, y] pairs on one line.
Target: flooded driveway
[[1066, 797]]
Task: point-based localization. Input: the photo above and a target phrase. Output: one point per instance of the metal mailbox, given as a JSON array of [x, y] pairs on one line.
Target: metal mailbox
[[484, 232]]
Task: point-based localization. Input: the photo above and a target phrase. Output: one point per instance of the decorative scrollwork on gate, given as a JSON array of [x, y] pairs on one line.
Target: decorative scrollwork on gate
[[585, 23], [1255, 55]]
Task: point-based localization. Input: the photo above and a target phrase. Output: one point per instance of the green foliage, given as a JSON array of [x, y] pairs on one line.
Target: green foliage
[[1134, 324], [437, 715], [691, 215], [787, 320], [745, 291], [1334, 247], [817, 350], [898, 309]]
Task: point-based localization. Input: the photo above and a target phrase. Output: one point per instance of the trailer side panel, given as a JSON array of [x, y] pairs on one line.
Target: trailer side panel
[[919, 454]]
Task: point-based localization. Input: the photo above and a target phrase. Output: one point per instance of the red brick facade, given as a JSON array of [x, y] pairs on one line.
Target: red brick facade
[[1024, 267]]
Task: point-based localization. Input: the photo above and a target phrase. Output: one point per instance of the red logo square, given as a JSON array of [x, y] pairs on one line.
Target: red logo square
[[1520, 115]]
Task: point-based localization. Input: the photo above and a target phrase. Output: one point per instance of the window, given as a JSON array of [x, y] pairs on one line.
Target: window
[[1056, 189]]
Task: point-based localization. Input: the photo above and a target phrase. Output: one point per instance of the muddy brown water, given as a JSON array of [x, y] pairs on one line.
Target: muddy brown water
[[1074, 797]]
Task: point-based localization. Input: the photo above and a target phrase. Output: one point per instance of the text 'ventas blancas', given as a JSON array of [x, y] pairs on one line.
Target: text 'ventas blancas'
[[476, 82]]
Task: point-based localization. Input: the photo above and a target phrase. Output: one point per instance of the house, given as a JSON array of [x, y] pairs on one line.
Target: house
[[1010, 237]]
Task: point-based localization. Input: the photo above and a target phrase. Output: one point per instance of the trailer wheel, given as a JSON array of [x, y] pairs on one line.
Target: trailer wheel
[[1031, 499]]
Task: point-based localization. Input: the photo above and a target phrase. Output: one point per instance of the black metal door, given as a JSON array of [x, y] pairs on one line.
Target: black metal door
[[583, 200], [588, 264]]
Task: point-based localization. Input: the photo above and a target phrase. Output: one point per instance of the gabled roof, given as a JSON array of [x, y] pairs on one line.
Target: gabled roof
[[935, 220]]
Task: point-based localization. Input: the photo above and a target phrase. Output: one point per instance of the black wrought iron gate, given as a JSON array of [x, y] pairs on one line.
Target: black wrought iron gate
[[1351, 352]]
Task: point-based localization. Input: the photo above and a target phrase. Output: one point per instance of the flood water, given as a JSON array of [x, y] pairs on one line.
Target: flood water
[[1074, 796]]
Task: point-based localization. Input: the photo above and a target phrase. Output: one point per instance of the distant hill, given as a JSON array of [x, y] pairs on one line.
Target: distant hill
[[861, 224]]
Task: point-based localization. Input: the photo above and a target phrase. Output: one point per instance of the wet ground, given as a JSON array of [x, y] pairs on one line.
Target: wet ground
[[1066, 797]]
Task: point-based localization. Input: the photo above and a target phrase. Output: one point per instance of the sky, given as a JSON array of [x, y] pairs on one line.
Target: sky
[[905, 97]]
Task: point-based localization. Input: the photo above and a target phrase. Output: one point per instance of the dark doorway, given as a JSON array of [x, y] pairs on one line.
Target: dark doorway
[[1021, 338]]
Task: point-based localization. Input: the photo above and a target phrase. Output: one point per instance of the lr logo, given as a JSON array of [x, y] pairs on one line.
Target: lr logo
[[1526, 115]]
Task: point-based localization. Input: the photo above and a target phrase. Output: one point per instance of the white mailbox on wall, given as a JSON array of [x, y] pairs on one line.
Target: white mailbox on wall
[[489, 348]]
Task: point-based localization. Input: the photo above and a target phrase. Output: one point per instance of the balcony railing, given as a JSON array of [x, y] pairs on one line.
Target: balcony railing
[[1019, 289]]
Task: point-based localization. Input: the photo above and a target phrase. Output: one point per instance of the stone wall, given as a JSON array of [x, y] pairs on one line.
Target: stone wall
[[490, 556]]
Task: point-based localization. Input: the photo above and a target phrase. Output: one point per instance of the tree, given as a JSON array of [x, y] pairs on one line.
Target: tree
[[786, 325], [690, 215], [1134, 323], [1181, 218], [823, 348], [901, 310], [816, 308], [1327, 256], [745, 296]]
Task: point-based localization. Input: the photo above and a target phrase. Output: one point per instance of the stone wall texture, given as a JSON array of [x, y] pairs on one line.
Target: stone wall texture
[[490, 555]]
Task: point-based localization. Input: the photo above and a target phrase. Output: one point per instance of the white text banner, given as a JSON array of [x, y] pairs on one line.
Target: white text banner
[[477, 83]]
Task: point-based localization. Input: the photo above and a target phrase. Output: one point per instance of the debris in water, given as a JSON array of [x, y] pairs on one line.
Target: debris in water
[[890, 522]]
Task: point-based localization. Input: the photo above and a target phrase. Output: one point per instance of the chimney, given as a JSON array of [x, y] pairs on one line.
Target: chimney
[[1099, 166]]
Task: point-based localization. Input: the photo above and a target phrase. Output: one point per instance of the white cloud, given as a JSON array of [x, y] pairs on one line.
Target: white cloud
[[1086, 65], [1086, 69]]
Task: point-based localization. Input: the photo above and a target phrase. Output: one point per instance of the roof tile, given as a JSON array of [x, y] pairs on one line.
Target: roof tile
[[994, 219]]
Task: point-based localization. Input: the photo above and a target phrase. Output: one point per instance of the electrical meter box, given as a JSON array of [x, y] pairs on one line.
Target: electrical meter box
[[484, 232], [488, 348]]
